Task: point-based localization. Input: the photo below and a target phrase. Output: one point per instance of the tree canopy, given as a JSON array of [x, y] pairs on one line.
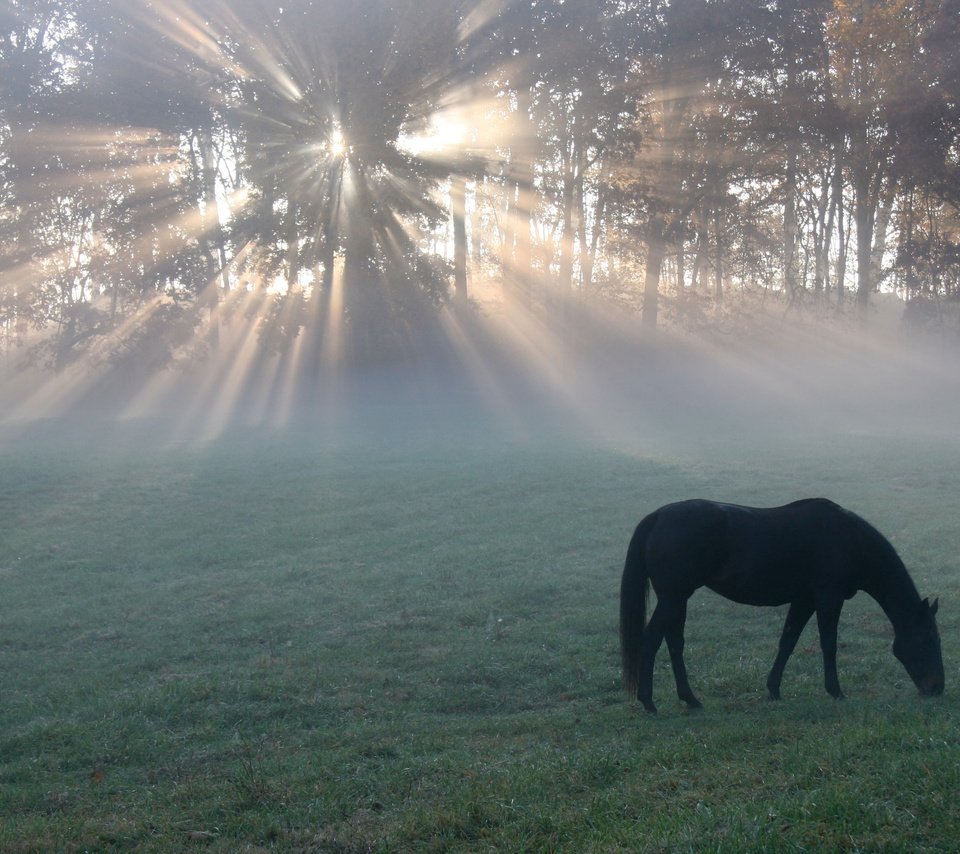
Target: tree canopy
[[337, 172]]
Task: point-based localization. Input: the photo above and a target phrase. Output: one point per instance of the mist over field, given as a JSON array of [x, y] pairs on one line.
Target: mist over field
[[595, 379]]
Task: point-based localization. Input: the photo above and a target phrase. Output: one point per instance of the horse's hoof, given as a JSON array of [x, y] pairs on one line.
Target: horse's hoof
[[774, 695]]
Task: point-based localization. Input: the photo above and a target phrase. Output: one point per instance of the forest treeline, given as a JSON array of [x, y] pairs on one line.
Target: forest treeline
[[348, 167]]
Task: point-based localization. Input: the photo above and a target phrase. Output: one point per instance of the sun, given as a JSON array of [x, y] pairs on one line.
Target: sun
[[336, 144]]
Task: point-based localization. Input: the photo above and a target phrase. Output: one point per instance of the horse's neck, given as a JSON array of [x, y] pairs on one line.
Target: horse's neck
[[895, 592]]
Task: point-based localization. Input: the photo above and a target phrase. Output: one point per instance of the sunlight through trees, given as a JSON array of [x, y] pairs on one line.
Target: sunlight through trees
[[331, 174]]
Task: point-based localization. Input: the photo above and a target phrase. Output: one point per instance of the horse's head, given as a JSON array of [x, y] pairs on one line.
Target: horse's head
[[917, 646]]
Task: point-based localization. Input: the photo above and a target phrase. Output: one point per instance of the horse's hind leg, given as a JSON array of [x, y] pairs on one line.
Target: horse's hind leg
[[667, 621], [828, 616], [674, 634], [797, 617], [649, 645]]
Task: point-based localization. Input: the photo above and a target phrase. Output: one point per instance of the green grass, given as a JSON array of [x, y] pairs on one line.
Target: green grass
[[315, 642]]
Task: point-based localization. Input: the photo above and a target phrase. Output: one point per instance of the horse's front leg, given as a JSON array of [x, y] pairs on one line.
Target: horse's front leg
[[828, 617], [797, 617], [674, 634]]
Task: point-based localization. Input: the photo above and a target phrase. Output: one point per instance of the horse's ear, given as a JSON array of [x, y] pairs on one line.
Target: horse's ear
[[934, 606]]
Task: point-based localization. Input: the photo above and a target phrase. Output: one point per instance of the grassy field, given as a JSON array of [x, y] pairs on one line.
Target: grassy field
[[360, 640]]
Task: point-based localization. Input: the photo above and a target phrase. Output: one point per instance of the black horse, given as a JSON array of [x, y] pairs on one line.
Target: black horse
[[811, 553]]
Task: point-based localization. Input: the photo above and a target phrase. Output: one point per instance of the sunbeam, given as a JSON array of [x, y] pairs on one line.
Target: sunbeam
[[315, 147], [279, 204], [218, 398]]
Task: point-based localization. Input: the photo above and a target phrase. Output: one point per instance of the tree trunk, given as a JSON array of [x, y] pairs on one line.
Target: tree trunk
[[656, 247], [698, 263], [212, 225], [790, 266], [907, 243], [588, 251], [522, 167], [821, 239], [843, 244], [863, 216], [508, 241], [458, 205], [291, 235], [567, 235], [718, 270], [864, 211], [363, 298], [211, 240], [572, 186], [475, 252], [880, 233], [836, 188], [681, 266]]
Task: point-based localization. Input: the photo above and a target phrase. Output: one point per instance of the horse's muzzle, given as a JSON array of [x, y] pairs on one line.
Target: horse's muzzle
[[930, 687]]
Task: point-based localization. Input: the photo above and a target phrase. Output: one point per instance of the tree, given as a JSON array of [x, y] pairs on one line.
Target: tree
[[686, 147], [582, 111], [335, 165], [36, 50], [874, 60], [322, 113]]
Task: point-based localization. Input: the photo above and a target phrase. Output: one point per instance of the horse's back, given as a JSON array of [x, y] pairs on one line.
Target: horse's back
[[754, 555]]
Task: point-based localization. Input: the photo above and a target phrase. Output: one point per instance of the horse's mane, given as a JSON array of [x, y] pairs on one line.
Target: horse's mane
[[879, 559]]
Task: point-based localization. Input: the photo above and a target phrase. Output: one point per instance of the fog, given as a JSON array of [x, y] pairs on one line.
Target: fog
[[521, 375]]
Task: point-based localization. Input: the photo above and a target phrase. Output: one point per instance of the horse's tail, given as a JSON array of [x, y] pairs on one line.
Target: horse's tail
[[633, 603]]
